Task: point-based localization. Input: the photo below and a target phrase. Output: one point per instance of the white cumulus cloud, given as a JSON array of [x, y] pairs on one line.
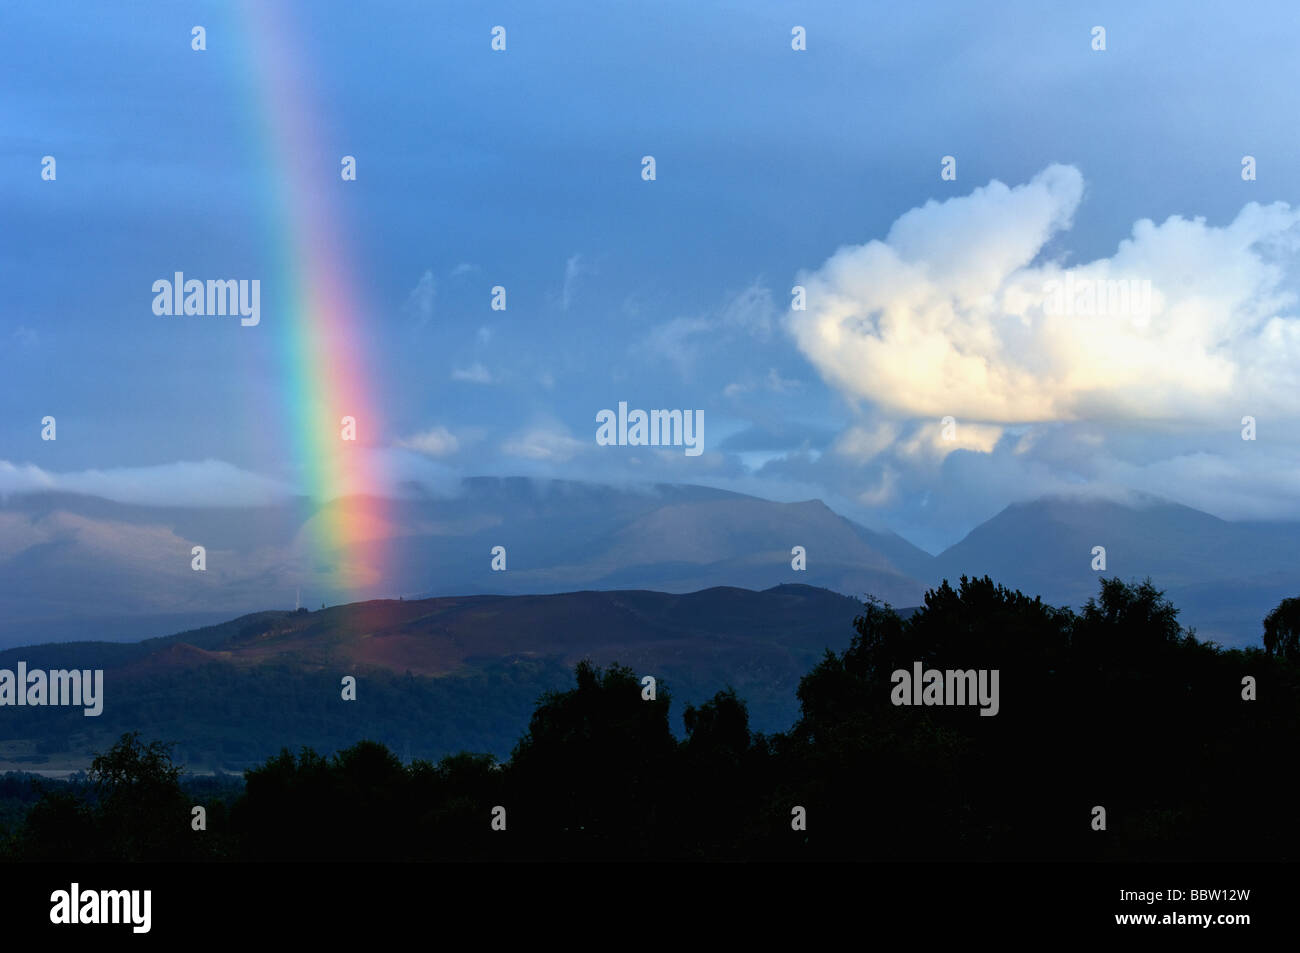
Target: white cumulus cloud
[[543, 443], [436, 442], [953, 313]]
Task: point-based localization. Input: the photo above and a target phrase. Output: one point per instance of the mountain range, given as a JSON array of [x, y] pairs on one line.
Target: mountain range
[[77, 568]]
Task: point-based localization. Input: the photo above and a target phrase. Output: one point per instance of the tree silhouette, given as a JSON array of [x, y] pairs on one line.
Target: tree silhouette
[[141, 812], [59, 827], [1115, 705], [1282, 630], [597, 764]]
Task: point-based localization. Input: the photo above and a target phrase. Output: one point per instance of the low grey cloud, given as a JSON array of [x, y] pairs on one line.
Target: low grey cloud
[[204, 483]]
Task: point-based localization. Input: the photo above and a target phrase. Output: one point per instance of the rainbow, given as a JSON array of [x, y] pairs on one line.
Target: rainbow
[[321, 324]]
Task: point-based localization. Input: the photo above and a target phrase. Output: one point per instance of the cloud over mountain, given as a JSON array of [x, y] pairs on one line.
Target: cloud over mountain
[[184, 483], [1128, 372]]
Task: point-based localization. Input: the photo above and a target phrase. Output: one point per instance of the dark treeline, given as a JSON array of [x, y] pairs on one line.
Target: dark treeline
[[422, 717], [1115, 707]]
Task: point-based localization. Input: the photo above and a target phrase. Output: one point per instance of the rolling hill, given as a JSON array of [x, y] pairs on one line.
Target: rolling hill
[[434, 676]]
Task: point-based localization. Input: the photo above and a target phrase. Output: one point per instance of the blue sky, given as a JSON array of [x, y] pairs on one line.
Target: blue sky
[[522, 168]]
